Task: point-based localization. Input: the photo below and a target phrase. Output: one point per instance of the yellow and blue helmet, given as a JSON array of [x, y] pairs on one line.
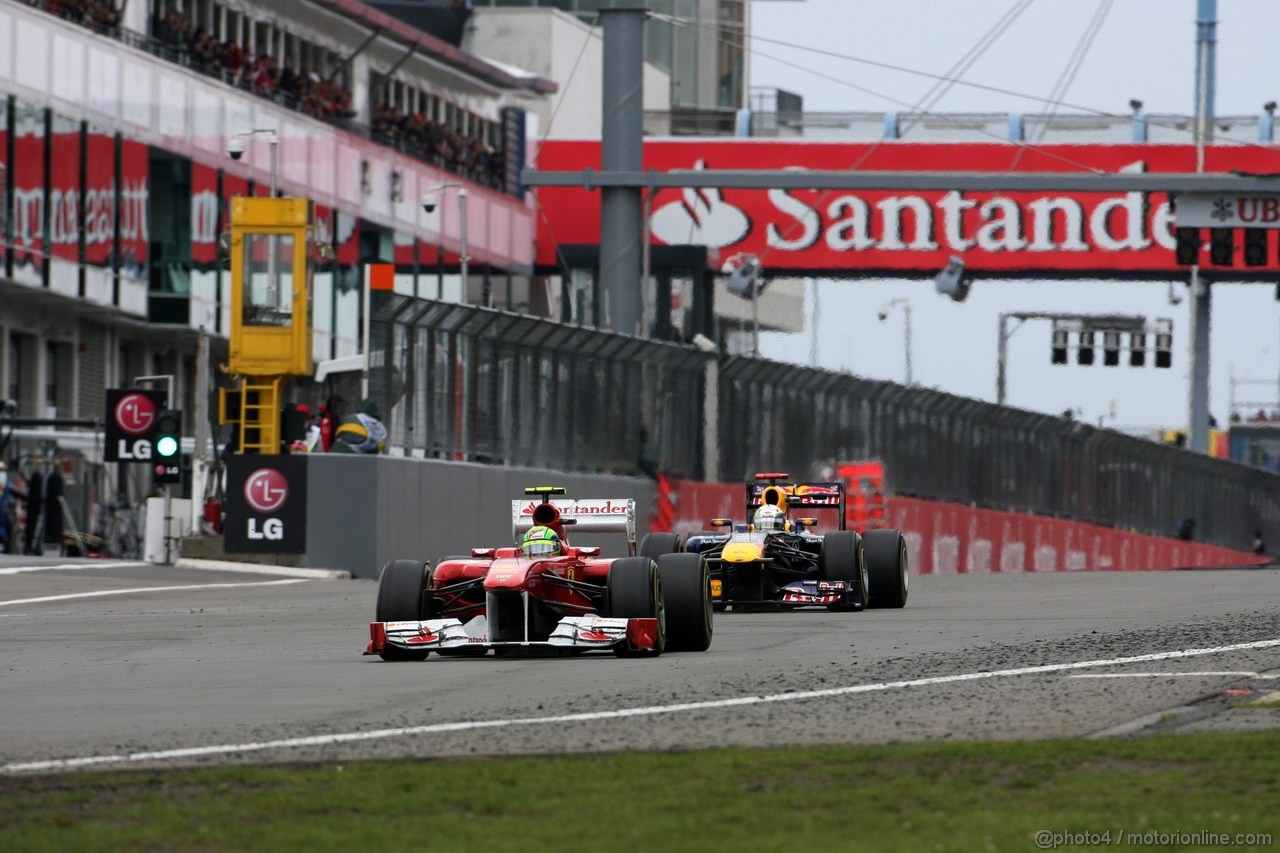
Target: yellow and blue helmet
[[540, 542]]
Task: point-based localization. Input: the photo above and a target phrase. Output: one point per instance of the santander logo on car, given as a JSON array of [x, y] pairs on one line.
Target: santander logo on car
[[583, 507]]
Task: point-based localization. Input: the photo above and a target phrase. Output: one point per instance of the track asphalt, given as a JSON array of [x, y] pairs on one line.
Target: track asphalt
[[124, 664]]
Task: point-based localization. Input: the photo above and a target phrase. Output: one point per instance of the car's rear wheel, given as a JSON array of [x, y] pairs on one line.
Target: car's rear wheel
[[633, 590], [404, 595], [887, 565], [844, 559], [686, 590], [654, 545]]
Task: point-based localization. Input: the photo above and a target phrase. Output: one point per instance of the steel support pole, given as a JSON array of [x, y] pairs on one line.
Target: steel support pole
[[906, 307], [1002, 360], [1206, 66], [465, 259], [813, 330], [622, 149], [1201, 304], [200, 458], [755, 319], [711, 420]]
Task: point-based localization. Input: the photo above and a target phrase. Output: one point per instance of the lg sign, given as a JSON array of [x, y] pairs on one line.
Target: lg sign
[[266, 505], [266, 491]]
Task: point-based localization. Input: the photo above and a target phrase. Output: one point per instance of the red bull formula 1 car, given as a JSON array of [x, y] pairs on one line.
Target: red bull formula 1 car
[[504, 600], [774, 560]]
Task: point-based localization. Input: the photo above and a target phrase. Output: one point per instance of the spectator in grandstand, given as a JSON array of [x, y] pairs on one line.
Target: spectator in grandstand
[[1259, 546], [1187, 529], [204, 51], [232, 58], [264, 76], [291, 83]]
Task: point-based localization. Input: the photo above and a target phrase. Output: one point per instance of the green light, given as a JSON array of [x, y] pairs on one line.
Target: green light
[[166, 445]]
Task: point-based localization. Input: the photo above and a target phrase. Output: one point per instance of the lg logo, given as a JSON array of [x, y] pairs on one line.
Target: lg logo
[[266, 490], [135, 414]]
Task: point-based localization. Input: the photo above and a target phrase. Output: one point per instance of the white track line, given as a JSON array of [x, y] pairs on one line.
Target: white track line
[[104, 592], [623, 713], [63, 567], [1169, 675]]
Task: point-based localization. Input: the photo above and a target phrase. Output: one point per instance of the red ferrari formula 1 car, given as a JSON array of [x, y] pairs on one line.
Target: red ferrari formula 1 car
[[565, 599]]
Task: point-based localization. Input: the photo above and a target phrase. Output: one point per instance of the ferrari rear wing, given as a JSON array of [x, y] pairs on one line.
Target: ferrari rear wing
[[587, 515]]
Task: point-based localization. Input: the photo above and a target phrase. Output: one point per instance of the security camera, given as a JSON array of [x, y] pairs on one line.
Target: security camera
[[429, 202], [235, 147], [884, 315]]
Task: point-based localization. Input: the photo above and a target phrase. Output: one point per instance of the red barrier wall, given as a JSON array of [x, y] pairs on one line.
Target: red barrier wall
[[946, 538]]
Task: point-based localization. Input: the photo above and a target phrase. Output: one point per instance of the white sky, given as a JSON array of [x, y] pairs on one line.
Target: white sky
[[1145, 50]]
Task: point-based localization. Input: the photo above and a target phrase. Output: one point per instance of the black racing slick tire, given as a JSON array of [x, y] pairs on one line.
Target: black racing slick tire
[[403, 596], [686, 590], [844, 559], [633, 590], [887, 565], [654, 545]]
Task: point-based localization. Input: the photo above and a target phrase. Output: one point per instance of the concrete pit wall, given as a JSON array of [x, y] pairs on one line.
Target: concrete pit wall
[[363, 511]]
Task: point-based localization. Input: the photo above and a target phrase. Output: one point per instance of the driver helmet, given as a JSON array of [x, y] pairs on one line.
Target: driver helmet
[[540, 542], [769, 517]]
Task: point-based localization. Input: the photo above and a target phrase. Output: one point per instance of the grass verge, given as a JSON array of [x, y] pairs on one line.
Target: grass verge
[[955, 796]]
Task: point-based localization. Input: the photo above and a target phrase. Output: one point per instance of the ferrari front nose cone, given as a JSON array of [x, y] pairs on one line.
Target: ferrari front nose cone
[[508, 574], [741, 552]]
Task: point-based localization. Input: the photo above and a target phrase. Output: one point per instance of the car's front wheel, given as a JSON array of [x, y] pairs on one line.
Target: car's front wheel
[[887, 565], [686, 589], [843, 559], [633, 590], [404, 595]]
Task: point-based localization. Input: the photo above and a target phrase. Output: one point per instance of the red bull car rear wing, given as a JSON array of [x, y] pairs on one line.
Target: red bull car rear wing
[[798, 495]]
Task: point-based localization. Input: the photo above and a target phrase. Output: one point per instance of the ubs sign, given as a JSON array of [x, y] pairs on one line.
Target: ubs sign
[[131, 422], [266, 505]]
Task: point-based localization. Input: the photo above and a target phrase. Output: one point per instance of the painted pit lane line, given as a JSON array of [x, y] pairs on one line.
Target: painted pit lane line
[[68, 567], [622, 713], [141, 589]]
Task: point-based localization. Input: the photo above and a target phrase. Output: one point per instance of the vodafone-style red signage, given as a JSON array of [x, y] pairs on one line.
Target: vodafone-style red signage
[[845, 232]]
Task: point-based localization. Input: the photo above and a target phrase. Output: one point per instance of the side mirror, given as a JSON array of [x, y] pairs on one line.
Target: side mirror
[[589, 551], [721, 522], [807, 522]]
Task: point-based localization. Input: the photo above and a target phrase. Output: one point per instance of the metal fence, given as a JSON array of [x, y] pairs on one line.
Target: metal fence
[[941, 446], [461, 382], [482, 385]]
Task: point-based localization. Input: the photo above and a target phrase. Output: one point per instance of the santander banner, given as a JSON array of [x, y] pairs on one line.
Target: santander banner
[[905, 231]]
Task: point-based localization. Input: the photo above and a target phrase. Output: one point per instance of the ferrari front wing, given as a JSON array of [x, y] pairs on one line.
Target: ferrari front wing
[[572, 632]]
